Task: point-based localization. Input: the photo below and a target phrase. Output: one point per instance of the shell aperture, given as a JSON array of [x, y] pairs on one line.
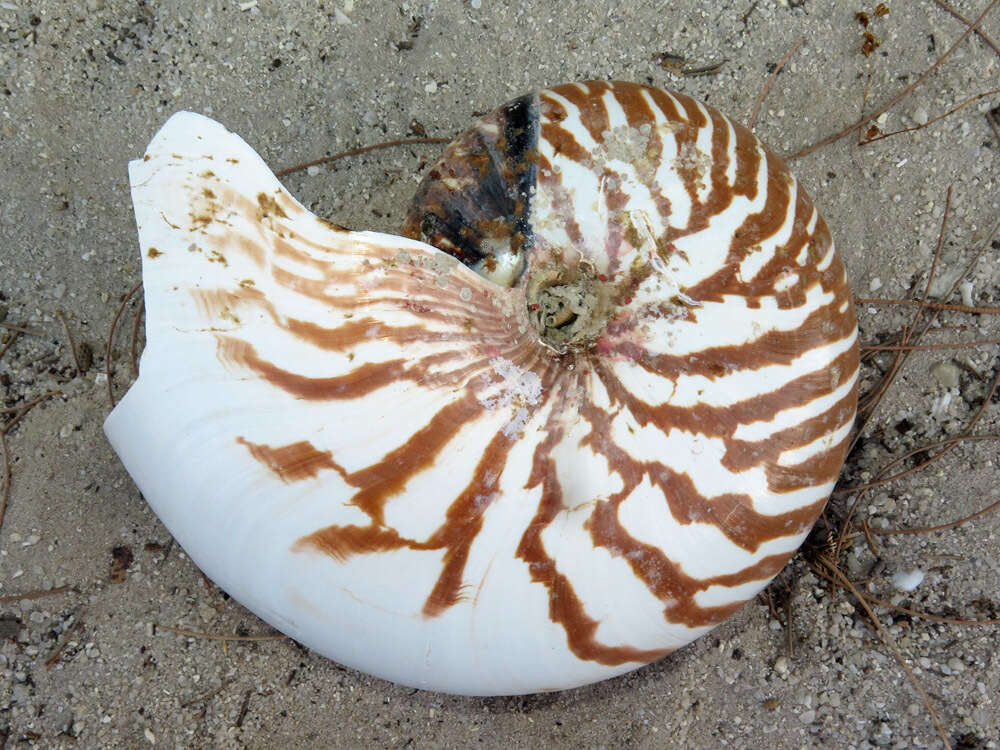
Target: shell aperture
[[476, 202], [532, 477]]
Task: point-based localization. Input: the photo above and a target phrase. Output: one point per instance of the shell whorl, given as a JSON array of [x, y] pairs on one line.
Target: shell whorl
[[533, 477]]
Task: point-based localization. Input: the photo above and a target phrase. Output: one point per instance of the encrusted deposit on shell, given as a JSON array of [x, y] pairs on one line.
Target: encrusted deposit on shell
[[528, 478]]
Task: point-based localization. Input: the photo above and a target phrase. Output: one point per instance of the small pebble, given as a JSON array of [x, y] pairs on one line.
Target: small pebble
[[883, 737], [312, 171], [946, 373], [807, 717], [206, 612], [781, 667], [908, 580], [966, 289], [431, 87]]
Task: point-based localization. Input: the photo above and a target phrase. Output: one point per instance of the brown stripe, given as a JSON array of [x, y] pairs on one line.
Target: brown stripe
[[364, 379], [741, 455], [635, 106], [293, 462], [343, 542], [590, 105], [809, 473], [463, 522], [388, 477], [748, 157], [565, 607], [732, 514], [664, 579], [477, 330], [822, 327]]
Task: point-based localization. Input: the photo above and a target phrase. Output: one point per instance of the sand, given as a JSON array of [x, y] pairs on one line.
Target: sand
[[83, 87]]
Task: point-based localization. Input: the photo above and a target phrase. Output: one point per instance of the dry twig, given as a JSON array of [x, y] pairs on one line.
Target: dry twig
[[906, 610], [929, 305], [14, 336], [899, 96], [205, 696], [22, 329], [872, 399], [243, 709], [67, 636], [133, 349], [19, 414], [72, 343], [843, 581], [5, 489], [868, 537], [111, 335], [770, 82], [222, 636], [35, 594], [943, 526], [22, 410], [928, 347], [357, 151], [933, 120], [979, 32]]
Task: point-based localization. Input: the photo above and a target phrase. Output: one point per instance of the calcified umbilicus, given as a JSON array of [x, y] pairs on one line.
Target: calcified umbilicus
[[586, 409]]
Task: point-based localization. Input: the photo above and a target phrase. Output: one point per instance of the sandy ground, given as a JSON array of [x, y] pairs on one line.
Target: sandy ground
[[84, 85]]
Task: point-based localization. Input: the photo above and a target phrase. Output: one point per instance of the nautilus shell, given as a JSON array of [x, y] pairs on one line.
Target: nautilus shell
[[584, 411]]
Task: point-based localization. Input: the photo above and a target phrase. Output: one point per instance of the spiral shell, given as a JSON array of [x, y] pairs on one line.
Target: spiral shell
[[528, 478]]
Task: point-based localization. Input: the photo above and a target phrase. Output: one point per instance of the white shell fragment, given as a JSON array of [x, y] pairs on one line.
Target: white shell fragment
[[908, 580], [529, 478]]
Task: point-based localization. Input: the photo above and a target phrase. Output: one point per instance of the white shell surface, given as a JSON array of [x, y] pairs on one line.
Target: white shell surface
[[365, 443]]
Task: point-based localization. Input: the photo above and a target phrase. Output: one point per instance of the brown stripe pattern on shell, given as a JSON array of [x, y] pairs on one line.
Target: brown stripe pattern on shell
[[639, 412], [649, 151]]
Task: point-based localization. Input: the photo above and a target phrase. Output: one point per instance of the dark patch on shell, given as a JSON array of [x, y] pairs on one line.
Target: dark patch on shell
[[475, 203]]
